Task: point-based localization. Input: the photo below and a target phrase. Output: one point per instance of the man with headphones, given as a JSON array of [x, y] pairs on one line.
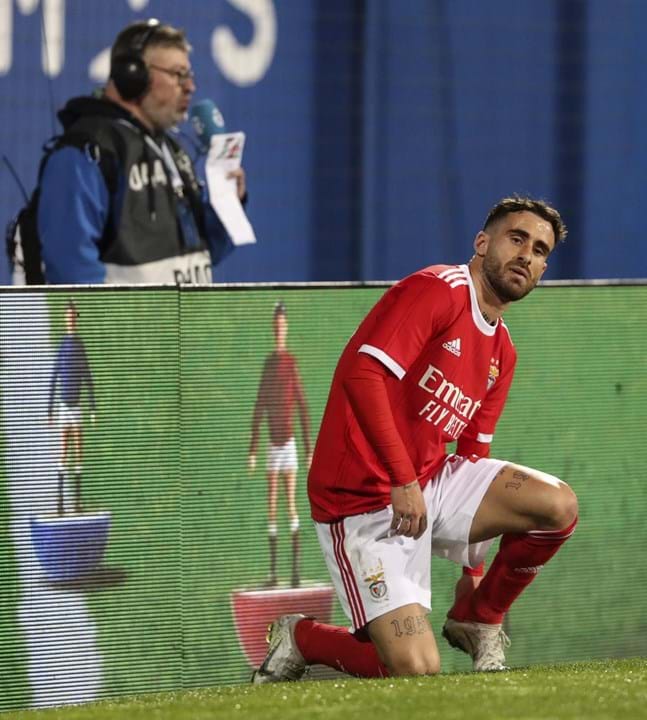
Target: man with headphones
[[119, 198]]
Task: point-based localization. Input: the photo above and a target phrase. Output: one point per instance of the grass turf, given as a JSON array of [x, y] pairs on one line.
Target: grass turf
[[610, 689], [168, 459]]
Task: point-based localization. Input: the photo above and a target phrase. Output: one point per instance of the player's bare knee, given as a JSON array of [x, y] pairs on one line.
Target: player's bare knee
[[570, 507], [433, 665], [411, 664], [563, 507]]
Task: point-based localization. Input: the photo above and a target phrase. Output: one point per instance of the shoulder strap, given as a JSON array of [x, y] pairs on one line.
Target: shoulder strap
[[22, 238], [84, 141]]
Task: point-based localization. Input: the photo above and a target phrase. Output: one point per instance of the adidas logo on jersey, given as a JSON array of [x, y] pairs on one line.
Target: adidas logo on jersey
[[533, 570], [454, 346]]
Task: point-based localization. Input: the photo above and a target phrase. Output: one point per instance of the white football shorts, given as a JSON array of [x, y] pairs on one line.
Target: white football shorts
[[282, 458], [69, 416], [375, 571]]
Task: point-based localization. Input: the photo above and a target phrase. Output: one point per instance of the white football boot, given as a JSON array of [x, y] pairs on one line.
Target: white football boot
[[485, 644], [283, 660]]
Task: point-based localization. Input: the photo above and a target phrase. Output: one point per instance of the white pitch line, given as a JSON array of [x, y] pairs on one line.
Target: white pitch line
[[64, 662]]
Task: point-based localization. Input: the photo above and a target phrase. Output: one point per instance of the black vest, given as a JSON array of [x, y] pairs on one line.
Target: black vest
[[144, 224]]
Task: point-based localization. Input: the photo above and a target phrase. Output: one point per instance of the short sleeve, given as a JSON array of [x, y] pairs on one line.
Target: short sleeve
[[405, 319]]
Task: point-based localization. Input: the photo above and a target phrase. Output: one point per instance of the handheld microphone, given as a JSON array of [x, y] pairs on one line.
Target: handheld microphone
[[207, 120]]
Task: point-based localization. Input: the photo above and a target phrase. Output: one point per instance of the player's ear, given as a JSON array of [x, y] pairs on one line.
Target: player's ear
[[481, 243]]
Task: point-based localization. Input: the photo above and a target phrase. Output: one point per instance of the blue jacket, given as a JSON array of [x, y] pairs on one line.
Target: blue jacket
[[113, 208]]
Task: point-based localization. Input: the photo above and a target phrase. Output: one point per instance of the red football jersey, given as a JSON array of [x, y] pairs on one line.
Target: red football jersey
[[279, 392], [450, 372]]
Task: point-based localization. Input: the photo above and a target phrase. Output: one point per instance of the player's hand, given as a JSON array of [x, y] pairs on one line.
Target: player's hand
[[241, 184], [409, 510], [251, 462]]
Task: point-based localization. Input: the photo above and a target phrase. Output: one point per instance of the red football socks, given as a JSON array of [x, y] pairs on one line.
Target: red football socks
[[338, 648], [478, 571], [515, 566]]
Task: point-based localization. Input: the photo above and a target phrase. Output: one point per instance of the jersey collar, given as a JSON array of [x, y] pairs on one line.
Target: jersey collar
[[479, 320]]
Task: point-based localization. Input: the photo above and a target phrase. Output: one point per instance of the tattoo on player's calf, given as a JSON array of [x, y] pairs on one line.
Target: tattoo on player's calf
[[411, 625]]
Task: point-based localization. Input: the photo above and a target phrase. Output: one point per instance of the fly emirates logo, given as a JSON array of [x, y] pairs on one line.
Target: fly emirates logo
[[448, 407]]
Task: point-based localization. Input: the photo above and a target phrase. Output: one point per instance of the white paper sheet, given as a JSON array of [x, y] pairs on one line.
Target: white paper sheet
[[225, 155]]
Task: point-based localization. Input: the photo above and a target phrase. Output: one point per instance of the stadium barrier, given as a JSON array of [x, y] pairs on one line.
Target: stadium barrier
[[159, 580]]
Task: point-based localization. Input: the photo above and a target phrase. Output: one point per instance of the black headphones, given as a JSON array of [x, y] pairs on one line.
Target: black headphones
[[128, 69]]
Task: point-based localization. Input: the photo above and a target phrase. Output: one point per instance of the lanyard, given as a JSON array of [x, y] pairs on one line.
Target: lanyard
[[190, 234], [166, 157], [165, 154]]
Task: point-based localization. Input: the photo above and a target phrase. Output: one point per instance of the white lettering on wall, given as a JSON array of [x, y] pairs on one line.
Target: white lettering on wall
[[242, 65], [99, 67], [6, 35], [247, 64], [52, 47]]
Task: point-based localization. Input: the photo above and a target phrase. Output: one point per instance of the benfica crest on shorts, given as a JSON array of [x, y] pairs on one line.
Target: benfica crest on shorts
[[374, 578], [493, 373]]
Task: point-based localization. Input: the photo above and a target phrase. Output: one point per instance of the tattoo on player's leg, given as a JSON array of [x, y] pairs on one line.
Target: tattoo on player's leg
[[411, 625], [422, 624], [518, 479]]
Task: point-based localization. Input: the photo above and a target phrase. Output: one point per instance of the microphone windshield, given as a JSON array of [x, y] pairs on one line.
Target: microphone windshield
[[207, 120]]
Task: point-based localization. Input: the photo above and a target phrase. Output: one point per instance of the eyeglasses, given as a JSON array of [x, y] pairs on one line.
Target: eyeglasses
[[182, 76]]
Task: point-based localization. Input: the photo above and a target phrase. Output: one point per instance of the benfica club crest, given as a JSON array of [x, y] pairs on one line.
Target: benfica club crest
[[493, 373], [376, 584]]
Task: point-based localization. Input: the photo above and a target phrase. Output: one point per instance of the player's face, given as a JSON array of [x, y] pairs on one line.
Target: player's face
[[70, 321], [515, 251], [167, 101], [280, 330]]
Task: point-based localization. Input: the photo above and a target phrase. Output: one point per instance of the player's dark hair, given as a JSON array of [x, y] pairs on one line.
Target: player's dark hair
[[519, 203], [71, 310]]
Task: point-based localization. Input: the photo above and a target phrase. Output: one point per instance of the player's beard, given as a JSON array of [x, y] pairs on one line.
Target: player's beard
[[494, 272]]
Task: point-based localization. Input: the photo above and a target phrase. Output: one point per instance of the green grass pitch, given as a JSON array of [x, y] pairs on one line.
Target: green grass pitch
[[601, 690], [176, 379]]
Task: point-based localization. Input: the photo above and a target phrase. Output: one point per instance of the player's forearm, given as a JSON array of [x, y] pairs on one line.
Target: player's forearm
[[370, 402], [256, 431], [90, 386], [52, 391], [260, 406]]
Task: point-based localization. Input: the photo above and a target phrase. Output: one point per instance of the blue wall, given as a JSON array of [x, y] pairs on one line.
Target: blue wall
[[381, 131]]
